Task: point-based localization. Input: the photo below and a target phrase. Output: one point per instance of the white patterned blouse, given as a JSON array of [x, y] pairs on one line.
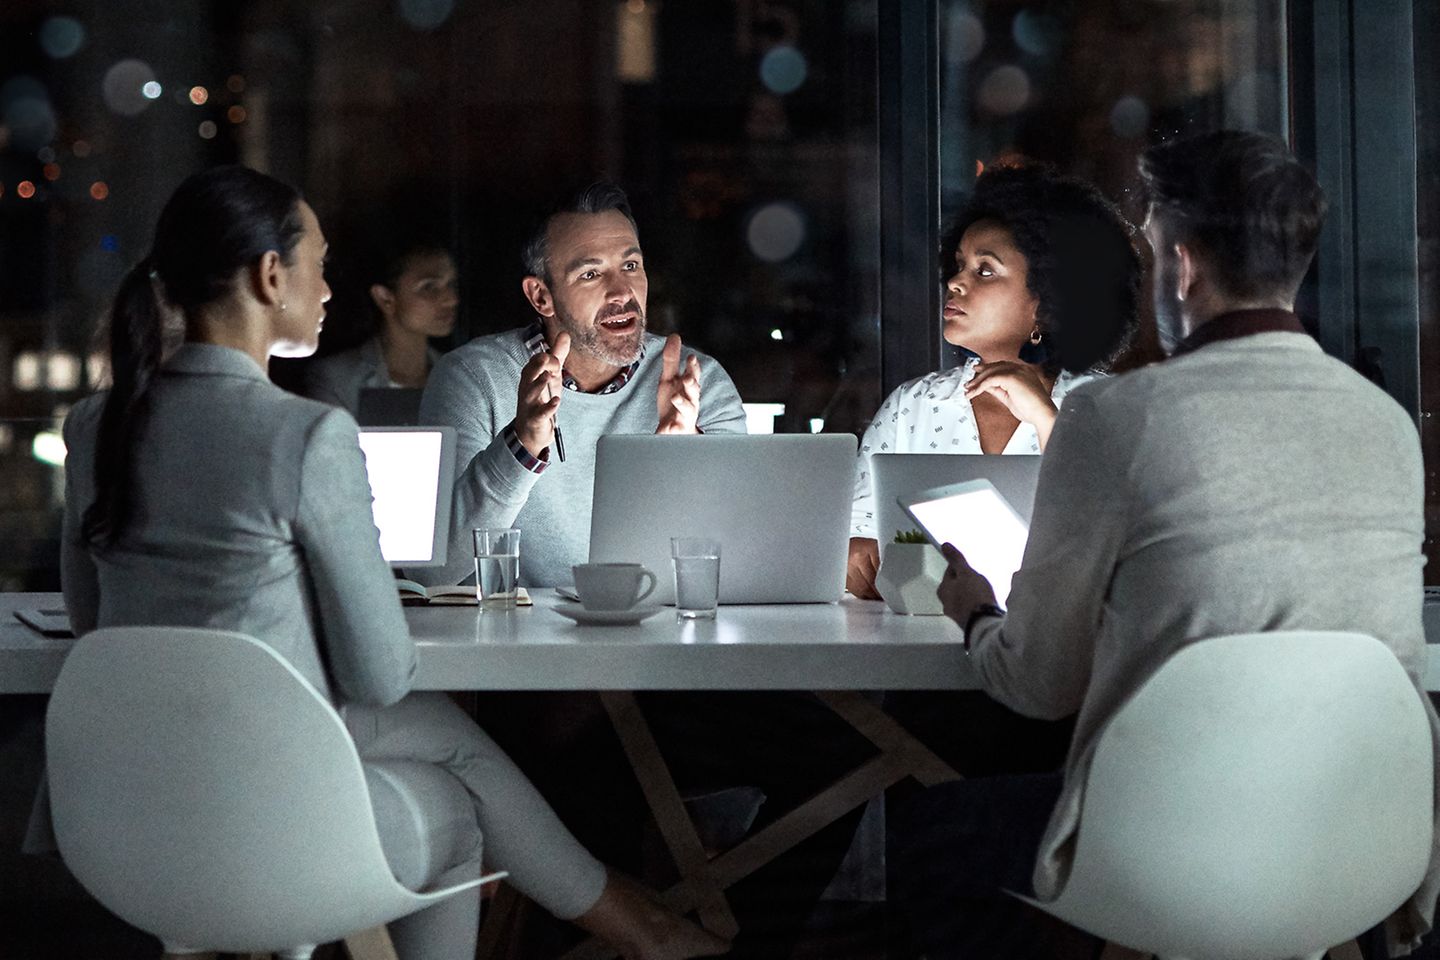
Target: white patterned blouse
[[932, 415]]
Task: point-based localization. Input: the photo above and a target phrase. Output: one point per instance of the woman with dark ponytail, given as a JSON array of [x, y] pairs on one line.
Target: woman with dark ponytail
[[200, 494]]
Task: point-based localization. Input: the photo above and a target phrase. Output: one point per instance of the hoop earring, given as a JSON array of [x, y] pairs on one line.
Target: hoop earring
[[1035, 337]]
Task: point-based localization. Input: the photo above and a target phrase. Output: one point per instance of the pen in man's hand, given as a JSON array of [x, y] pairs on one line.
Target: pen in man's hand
[[559, 440]]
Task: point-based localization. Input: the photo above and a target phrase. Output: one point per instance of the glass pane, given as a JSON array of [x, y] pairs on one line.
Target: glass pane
[[1087, 86], [31, 457], [1427, 195], [744, 130]]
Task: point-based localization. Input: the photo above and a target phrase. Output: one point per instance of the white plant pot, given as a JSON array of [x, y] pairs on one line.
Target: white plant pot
[[909, 574]]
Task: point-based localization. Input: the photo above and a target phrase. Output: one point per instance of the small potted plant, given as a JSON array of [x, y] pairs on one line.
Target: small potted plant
[[910, 572]]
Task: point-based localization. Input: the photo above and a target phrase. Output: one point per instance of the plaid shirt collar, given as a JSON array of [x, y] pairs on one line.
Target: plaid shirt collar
[[535, 342]]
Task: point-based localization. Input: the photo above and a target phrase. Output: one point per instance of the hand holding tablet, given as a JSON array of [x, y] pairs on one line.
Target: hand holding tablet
[[979, 522]]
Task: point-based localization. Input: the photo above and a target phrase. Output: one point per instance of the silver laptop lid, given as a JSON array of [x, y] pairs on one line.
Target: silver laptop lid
[[412, 479], [779, 505], [901, 474]]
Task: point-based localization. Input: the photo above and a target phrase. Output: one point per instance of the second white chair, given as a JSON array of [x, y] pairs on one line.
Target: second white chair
[[1262, 796]]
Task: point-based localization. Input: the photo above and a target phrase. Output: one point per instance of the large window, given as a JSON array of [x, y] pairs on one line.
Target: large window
[[789, 161], [745, 131], [1088, 86]]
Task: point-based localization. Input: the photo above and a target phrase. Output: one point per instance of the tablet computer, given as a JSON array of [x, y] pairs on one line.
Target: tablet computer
[[980, 522]]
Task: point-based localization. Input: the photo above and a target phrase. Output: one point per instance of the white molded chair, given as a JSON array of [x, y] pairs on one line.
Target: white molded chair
[[203, 791], [1262, 796]]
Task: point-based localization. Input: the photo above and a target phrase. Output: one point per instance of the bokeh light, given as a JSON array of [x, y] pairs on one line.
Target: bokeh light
[[29, 118], [124, 87], [51, 172], [62, 370], [25, 189], [61, 37], [964, 36], [424, 14], [1129, 117], [235, 83], [152, 90], [235, 114], [48, 447], [775, 232], [81, 148], [1038, 34], [27, 373], [207, 130], [783, 69], [99, 190], [1005, 90], [199, 95]]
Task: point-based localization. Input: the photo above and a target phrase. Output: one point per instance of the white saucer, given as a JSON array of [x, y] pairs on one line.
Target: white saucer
[[606, 617]]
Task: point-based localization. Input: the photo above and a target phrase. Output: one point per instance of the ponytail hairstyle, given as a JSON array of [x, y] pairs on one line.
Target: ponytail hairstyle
[[216, 224]]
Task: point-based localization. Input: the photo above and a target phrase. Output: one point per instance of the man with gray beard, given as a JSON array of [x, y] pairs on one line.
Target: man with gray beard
[[586, 364]]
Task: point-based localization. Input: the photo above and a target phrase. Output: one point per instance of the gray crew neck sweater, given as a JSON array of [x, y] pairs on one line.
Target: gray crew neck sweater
[[474, 389]]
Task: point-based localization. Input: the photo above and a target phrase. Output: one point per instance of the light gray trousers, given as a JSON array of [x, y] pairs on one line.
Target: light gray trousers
[[520, 832]]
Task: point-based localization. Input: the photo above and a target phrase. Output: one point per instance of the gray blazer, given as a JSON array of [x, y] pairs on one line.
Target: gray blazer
[[251, 512], [1255, 484]]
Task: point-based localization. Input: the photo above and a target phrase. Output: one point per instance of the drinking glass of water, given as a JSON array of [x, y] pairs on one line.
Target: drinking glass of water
[[497, 566], [697, 577]]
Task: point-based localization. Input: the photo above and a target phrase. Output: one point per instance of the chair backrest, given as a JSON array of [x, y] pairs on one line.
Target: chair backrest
[[205, 792], [1264, 795]]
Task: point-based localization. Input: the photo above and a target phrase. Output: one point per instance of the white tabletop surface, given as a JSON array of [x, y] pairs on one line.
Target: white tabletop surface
[[852, 645]]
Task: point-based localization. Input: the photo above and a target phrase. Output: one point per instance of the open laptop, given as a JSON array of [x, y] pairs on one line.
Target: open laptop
[[902, 474], [412, 477], [779, 505]]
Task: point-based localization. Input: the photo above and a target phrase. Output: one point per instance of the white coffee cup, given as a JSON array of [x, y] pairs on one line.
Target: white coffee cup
[[612, 586]]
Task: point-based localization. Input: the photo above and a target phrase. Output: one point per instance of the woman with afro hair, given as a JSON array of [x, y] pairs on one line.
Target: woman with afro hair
[[1042, 287]]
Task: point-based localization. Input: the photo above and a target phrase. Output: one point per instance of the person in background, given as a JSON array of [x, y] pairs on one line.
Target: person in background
[[411, 285], [1248, 483], [200, 494], [1043, 285]]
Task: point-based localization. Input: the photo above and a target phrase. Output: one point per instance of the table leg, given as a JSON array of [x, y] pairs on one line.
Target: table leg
[[881, 729], [371, 944], [668, 809]]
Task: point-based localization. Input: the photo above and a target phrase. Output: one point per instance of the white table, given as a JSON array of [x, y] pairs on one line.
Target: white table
[[852, 645], [829, 648]]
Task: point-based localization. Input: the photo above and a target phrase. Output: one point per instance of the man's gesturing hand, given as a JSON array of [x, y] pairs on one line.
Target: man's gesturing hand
[[540, 389], [678, 399]]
